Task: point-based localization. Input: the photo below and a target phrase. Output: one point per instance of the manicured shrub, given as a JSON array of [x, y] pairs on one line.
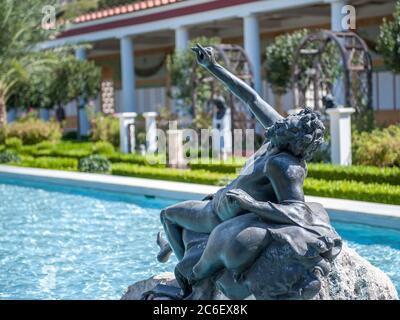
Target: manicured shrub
[[9, 156], [353, 190], [32, 131], [134, 158], [381, 147], [13, 143], [366, 174], [217, 167], [3, 134], [105, 128], [95, 164], [103, 147], [44, 145], [50, 163], [372, 192], [193, 176]]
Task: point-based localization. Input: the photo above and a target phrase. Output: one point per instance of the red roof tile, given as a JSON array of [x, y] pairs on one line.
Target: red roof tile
[[138, 6]]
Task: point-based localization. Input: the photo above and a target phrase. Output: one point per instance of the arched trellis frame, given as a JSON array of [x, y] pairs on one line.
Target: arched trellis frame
[[235, 59], [356, 70]]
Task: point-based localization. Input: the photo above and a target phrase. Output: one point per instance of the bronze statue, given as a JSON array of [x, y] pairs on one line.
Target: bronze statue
[[256, 236]]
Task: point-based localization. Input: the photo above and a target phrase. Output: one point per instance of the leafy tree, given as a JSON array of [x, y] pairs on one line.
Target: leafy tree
[[389, 41], [82, 81], [193, 86], [280, 61], [20, 31], [74, 9]]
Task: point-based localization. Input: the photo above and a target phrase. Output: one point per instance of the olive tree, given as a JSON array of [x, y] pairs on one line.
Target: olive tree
[[280, 55], [389, 41], [192, 86], [279, 61]]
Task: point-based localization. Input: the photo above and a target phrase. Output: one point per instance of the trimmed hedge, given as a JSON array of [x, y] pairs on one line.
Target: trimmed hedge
[[133, 158], [50, 163], [353, 190], [193, 176], [79, 150], [14, 144], [217, 167], [365, 174], [372, 192]]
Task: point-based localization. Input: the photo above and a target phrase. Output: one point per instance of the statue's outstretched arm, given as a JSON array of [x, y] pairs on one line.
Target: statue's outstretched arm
[[261, 109]]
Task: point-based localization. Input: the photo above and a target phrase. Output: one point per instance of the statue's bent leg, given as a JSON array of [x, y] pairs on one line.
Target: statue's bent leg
[[196, 216], [235, 244], [240, 253]]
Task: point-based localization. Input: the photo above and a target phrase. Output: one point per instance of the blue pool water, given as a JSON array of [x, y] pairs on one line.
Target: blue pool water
[[60, 242]]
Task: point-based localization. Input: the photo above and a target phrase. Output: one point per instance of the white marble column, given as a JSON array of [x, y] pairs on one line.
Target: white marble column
[[336, 14], [84, 125], [181, 38], [340, 128], [128, 74], [151, 131], [336, 25], [251, 33]]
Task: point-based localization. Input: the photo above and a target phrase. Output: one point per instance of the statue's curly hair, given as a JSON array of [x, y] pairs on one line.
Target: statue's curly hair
[[301, 134]]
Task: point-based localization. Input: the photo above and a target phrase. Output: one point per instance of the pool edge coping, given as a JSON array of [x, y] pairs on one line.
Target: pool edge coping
[[343, 210]]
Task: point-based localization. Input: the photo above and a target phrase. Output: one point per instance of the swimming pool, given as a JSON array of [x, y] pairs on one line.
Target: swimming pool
[[59, 242]]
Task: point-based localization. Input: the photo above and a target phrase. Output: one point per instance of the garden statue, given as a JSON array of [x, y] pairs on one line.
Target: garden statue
[[257, 236]]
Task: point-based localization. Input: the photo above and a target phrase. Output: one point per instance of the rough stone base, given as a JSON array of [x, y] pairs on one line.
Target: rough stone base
[[352, 278]]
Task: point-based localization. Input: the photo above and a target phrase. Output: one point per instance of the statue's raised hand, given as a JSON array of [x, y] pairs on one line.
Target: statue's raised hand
[[205, 56]]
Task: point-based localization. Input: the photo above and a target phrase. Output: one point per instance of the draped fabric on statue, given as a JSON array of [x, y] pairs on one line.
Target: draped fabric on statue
[[291, 263]]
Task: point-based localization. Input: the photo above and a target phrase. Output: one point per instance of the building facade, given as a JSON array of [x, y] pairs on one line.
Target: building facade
[[131, 43]]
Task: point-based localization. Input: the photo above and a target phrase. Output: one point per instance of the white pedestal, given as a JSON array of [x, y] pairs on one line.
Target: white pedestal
[[175, 149], [151, 131], [222, 135], [44, 114], [181, 38], [11, 115], [84, 121], [340, 123], [127, 131]]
